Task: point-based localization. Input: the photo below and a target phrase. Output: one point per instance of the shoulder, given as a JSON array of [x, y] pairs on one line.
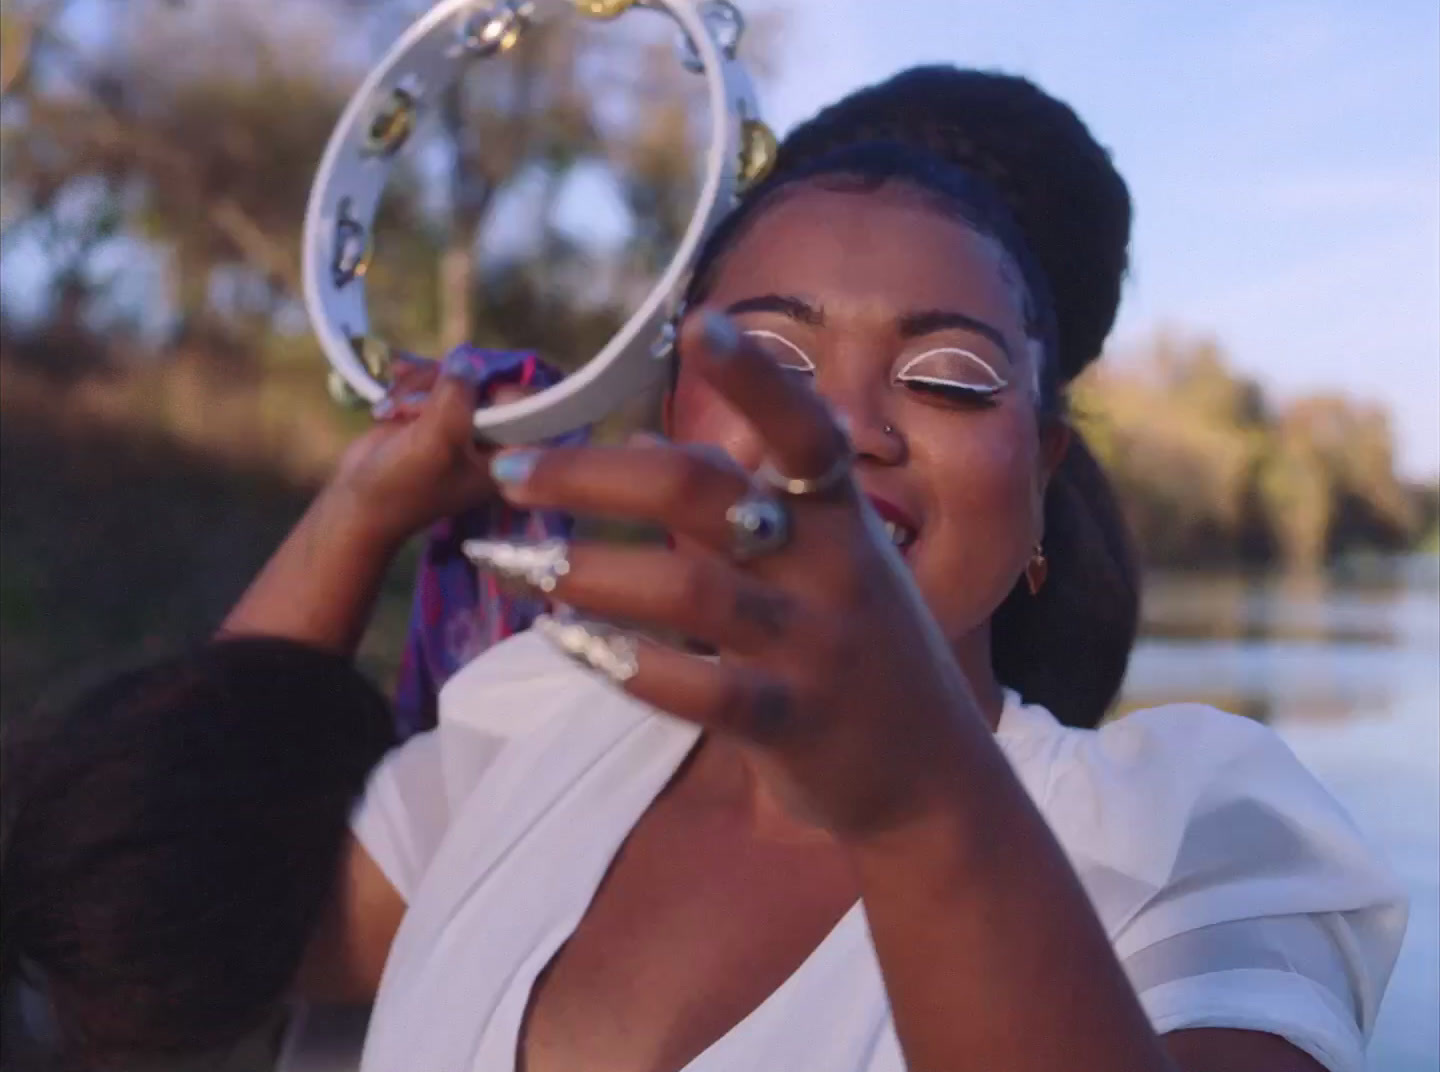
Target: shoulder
[[1236, 890], [521, 716], [1207, 812]]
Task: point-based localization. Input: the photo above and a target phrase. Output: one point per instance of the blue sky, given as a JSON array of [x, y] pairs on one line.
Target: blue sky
[[1284, 156]]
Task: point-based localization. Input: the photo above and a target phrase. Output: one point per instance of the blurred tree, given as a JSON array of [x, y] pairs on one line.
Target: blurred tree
[[1212, 472], [164, 407], [205, 120]]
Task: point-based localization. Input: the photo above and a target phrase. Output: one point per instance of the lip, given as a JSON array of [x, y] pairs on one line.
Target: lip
[[896, 515]]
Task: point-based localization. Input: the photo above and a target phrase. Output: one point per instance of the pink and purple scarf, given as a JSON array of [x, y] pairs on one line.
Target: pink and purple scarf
[[457, 612]]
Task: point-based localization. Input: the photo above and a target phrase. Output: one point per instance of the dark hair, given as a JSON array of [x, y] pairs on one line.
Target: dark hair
[[169, 839], [868, 167], [1022, 168]]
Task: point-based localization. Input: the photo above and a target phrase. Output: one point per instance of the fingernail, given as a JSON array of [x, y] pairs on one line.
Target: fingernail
[[646, 439], [459, 366], [415, 398], [722, 339], [383, 410], [710, 452], [514, 467]]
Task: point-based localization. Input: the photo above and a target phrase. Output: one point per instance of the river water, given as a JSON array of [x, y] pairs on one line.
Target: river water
[[1348, 672]]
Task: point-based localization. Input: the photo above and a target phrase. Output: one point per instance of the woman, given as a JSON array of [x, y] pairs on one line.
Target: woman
[[586, 882], [852, 836], [1075, 210]]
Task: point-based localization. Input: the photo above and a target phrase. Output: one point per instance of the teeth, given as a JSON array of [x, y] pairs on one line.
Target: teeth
[[899, 534]]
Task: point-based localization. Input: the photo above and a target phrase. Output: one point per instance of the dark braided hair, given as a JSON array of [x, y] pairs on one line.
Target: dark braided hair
[[1057, 180], [1020, 167], [168, 840]]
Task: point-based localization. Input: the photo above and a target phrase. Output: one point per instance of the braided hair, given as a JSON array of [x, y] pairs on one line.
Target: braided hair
[[1051, 196], [168, 839]]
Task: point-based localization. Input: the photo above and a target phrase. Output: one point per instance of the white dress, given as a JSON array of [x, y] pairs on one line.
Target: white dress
[[1235, 891]]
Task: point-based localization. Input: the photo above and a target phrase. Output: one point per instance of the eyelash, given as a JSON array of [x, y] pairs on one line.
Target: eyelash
[[954, 392], [946, 389], [949, 389]]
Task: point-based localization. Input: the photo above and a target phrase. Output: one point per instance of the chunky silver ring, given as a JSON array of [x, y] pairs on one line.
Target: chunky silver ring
[[604, 650], [823, 484], [540, 565], [759, 526]]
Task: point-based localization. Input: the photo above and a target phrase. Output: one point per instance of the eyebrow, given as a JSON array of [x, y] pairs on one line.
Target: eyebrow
[[912, 325], [795, 308]]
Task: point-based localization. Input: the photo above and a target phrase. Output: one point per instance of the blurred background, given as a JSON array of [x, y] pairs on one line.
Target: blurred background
[[1269, 410]]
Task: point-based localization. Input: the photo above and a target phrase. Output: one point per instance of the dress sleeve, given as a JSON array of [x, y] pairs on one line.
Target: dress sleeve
[[412, 796], [1291, 976], [1236, 890]]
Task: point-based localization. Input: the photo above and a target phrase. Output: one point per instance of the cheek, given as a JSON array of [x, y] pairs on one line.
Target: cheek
[[984, 485], [696, 413]]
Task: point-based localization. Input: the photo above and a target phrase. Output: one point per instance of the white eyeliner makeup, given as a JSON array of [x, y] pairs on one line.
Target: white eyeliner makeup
[[996, 383], [806, 365]]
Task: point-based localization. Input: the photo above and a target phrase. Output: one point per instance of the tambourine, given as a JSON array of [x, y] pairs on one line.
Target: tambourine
[[395, 99]]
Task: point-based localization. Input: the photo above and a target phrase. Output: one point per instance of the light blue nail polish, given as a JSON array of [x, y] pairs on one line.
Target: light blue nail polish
[[383, 410], [416, 398], [514, 467], [722, 338]]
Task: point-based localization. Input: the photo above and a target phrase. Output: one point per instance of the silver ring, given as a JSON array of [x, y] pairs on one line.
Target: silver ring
[[604, 650], [540, 565], [759, 526], [799, 487]]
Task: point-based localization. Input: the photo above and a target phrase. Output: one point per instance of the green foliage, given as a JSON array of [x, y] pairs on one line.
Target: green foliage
[[1212, 472]]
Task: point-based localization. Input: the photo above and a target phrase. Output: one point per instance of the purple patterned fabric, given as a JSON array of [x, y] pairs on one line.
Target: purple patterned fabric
[[457, 612]]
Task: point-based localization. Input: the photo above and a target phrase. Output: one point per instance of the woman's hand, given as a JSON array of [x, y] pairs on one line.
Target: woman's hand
[[831, 669], [836, 679], [419, 465], [422, 461]]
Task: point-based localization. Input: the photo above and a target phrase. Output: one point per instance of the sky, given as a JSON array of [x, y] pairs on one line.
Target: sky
[[1284, 158]]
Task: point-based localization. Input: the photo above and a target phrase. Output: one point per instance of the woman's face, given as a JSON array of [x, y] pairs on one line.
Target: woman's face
[[905, 319]]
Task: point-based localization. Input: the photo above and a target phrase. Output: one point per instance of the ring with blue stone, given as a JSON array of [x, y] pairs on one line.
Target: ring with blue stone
[[759, 526]]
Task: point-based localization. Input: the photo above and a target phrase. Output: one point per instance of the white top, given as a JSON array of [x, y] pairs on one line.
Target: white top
[[1237, 893]]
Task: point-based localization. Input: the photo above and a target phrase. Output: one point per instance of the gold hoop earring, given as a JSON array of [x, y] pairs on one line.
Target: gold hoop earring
[[1037, 570]]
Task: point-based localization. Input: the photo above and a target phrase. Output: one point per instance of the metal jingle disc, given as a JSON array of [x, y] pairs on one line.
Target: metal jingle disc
[[494, 30], [399, 96], [726, 22]]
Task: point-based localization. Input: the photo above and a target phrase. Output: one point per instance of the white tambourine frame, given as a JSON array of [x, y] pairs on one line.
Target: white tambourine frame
[[352, 176]]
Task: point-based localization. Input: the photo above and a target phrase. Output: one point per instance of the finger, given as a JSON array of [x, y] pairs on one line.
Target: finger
[[413, 375], [802, 435], [687, 492], [409, 387], [739, 698], [448, 413], [691, 596], [410, 393]]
